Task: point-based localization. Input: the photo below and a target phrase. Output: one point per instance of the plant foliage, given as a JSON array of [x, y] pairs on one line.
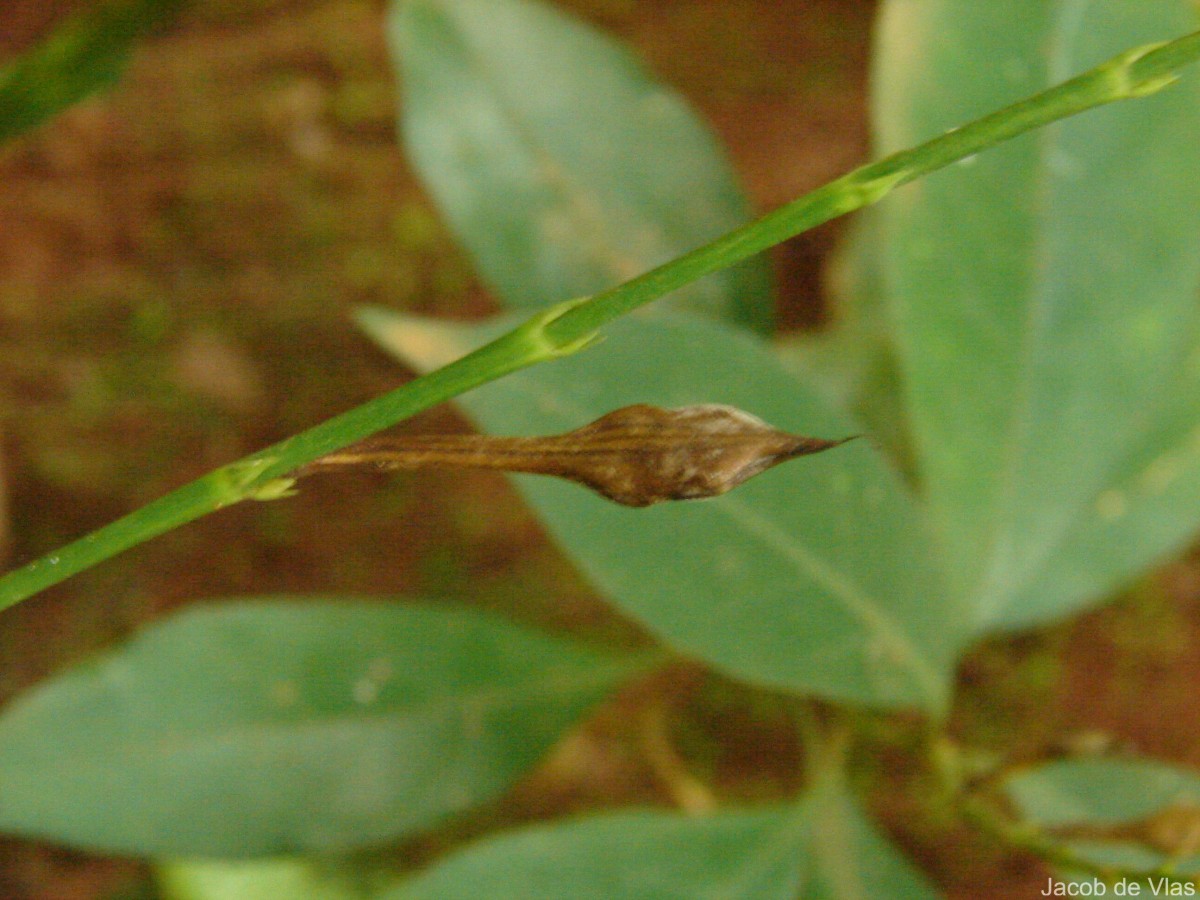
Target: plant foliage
[[1025, 335]]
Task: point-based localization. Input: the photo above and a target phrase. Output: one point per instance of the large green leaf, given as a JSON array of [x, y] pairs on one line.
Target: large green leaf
[[814, 576], [1148, 508], [264, 727], [1044, 298], [821, 849], [86, 53], [560, 164]]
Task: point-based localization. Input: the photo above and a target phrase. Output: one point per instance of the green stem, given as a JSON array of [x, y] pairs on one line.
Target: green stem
[[571, 326], [1135, 73], [258, 476]]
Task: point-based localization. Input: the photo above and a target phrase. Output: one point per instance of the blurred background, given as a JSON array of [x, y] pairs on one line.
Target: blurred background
[[179, 259]]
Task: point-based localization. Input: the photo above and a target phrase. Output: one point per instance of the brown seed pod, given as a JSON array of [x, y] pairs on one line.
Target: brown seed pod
[[636, 456]]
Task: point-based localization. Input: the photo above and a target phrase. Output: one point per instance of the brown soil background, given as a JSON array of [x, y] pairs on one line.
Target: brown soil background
[[178, 262]]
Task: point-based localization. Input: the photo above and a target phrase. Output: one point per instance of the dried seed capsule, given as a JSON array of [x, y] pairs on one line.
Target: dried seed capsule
[[636, 456]]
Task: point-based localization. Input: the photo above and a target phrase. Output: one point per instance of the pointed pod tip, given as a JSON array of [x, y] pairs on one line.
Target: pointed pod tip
[[805, 445]]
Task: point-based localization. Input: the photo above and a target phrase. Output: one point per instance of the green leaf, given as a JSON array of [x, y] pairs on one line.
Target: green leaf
[[1123, 795], [853, 360], [268, 727], [86, 53], [1127, 856], [560, 164], [820, 848], [266, 879], [1100, 792], [1147, 509], [627, 856], [814, 576], [1045, 300]]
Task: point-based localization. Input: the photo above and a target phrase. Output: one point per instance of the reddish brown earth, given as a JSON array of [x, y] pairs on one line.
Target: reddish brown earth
[[178, 261]]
